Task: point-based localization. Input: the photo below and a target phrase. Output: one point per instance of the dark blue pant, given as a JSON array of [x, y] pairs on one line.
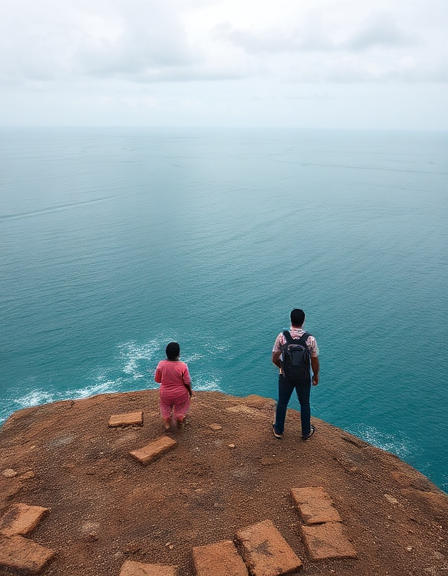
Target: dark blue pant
[[285, 389]]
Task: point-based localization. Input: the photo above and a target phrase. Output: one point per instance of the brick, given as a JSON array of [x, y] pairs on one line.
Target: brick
[[154, 450], [265, 551], [314, 505], [21, 519], [131, 568], [128, 419], [23, 555], [326, 541], [218, 559]]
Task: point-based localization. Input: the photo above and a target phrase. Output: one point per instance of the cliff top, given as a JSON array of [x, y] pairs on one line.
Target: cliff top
[[226, 472]]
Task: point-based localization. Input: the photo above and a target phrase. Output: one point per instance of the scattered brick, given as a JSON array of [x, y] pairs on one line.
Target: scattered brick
[[21, 519], [218, 559], [154, 450], [265, 551], [326, 541], [23, 555], [315, 505], [131, 568], [128, 419]]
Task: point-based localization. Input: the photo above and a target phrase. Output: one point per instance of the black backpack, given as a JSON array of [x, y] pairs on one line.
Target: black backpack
[[296, 358]]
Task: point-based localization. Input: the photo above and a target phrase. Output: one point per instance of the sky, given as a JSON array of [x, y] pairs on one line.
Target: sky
[[353, 64]]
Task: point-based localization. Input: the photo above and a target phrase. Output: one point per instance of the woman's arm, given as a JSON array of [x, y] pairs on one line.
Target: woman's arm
[[187, 380]]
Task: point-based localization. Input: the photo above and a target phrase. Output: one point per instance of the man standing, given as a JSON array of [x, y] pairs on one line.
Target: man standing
[[288, 382]]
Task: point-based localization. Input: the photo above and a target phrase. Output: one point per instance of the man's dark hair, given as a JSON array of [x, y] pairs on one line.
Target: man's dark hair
[[172, 350], [297, 317]]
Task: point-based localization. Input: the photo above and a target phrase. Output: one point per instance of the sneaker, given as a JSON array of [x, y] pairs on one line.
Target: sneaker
[[276, 434], [313, 429]]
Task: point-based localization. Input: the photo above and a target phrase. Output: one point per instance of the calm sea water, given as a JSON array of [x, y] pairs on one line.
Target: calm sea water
[[114, 242]]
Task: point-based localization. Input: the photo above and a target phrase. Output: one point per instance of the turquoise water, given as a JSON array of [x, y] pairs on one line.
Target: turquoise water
[[114, 242]]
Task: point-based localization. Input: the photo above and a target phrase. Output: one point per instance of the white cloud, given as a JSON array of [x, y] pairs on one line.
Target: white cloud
[[149, 36], [381, 30], [188, 55]]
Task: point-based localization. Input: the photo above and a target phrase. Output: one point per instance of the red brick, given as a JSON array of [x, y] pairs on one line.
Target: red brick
[[21, 519], [131, 568], [325, 541], [23, 555], [218, 559], [154, 449], [265, 551], [128, 419], [314, 505]]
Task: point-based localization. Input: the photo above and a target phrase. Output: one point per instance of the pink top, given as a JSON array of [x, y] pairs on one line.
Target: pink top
[[172, 375]]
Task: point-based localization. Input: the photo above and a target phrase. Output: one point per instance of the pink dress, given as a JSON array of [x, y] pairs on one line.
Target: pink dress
[[173, 377]]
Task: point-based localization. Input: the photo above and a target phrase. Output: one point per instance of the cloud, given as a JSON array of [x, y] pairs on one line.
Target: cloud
[[97, 60], [147, 37], [74, 42], [49, 40], [375, 48], [273, 41], [380, 30], [377, 30]]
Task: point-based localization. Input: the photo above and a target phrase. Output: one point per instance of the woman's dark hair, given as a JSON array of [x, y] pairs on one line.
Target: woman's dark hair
[[172, 350], [297, 317]]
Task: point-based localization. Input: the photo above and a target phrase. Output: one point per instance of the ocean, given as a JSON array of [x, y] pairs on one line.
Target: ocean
[[116, 241]]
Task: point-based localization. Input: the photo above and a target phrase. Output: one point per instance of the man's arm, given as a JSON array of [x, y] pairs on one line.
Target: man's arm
[[315, 366], [276, 359]]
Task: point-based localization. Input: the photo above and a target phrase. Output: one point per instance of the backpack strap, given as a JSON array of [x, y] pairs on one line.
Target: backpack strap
[[304, 338], [291, 340]]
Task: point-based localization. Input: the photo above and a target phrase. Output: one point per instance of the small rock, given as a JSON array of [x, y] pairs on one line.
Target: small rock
[[93, 536], [232, 446], [215, 426], [132, 548], [27, 475], [391, 499], [9, 473], [409, 549]]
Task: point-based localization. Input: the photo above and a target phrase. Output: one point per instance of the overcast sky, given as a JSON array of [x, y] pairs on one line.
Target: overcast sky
[[298, 63]]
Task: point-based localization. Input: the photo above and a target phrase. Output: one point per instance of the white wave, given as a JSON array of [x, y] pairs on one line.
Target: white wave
[[107, 387], [132, 354], [215, 348], [37, 396], [206, 385], [402, 447], [190, 359], [34, 398]]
